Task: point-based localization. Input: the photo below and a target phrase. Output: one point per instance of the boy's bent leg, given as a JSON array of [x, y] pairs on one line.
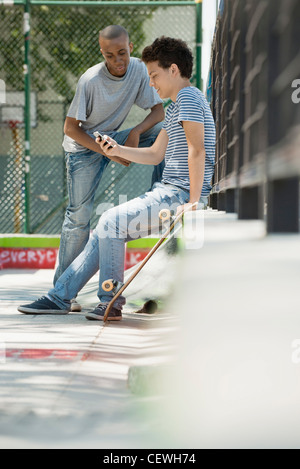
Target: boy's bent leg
[[84, 171], [111, 254], [157, 173], [132, 220], [146, 139], [111, 261]]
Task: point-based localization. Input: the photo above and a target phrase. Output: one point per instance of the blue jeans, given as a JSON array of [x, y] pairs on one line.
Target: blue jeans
[[105, 250], [84, 172]]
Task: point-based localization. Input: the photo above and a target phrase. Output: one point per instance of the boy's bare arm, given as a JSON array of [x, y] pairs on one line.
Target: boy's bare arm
[[194, 132], [73, 130], [156, 115], [150, 155]]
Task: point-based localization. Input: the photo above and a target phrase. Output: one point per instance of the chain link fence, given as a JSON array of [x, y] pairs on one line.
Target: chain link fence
[[63, 45]]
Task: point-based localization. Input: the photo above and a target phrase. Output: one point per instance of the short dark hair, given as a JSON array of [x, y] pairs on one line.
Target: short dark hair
[[113, 31], [168, 51]]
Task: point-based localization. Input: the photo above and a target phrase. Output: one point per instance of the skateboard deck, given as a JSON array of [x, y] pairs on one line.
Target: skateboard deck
[[119, 287]]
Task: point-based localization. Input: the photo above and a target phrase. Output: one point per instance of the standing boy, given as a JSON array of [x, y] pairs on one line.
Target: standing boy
[[186, 142]]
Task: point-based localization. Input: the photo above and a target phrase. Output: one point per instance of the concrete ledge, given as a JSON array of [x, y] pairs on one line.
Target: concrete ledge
[[236, 368]]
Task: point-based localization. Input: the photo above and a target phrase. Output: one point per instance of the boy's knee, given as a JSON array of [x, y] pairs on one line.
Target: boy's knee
[[77, 218], [107, 225]]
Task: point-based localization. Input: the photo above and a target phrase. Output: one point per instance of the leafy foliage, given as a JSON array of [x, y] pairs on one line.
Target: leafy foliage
[[63, 43]]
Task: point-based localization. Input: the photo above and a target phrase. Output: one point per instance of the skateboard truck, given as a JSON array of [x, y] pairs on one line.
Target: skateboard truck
[[112, 285], [165, 214]]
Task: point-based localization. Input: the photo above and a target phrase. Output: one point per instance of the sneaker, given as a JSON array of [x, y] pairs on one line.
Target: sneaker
[[75, 307], [42, 306], [98, 313]]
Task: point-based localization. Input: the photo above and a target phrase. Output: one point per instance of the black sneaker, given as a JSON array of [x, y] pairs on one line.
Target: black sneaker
[[42, 306], [98, 313]]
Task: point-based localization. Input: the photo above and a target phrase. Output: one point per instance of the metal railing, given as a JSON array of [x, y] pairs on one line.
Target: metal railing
[[255, 64]]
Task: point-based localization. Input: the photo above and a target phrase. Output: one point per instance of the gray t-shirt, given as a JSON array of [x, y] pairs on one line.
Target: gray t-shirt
[[103, 101]]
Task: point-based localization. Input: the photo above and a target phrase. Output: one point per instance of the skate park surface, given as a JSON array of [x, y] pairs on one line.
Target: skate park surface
[[217, 366]]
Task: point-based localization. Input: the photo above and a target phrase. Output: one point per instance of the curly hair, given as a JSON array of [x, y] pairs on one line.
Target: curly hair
[[168, 51]]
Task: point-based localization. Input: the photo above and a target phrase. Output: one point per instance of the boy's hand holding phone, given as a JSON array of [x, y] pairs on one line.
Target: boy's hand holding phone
[[105, 145]]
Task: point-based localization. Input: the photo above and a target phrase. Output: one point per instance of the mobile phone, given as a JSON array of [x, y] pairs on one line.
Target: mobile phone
[[97, 134]]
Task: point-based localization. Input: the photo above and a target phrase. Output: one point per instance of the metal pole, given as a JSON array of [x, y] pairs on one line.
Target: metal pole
[[18, 209], [27, 115], [95, 3], [199, 82], [110, 3]]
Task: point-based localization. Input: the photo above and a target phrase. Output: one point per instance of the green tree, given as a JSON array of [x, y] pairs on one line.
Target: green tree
[[64, 42]]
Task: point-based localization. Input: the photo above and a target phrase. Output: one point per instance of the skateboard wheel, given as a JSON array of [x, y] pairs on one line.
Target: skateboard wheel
[[108, 285], [165, 214], [150, 307]]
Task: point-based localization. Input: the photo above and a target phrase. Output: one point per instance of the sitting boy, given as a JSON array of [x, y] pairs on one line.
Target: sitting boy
[[187, 142]]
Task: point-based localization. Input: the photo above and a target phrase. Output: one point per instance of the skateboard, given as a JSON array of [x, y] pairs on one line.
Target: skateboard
[[119, 287]]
